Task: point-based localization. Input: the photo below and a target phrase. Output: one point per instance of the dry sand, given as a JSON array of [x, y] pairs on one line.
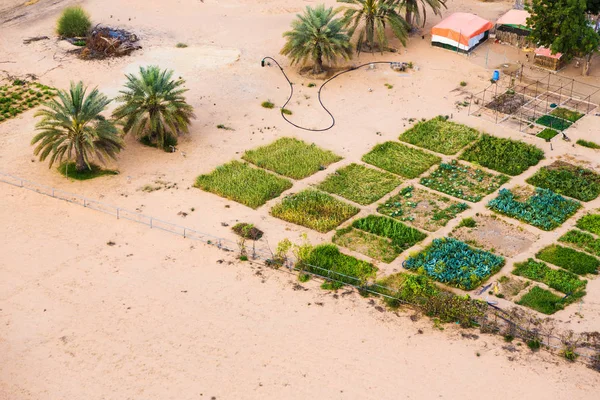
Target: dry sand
[[233, 334]]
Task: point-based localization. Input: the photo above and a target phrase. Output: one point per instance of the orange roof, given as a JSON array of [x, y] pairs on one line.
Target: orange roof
[[461, 27], [544, 52], [514, 17]]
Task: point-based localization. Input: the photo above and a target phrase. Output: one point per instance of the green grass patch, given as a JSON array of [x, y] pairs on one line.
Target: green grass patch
[[582, 240], [464, 182], [400, 159], [291, 157], [590, 223], [454, 263], [567, 114], [569, 259], [267, 104], [569, 180], [440, 135], [286, 111], [69, 170], [542, 300], [360, 184], [508, 156], [421, 208], [547, 134], [588, 144], [544, 209], [561, 280], [315, 210], [240, 182], [373, 246], [554, 122], [181, 45], [402, 236], [15, 99], [327, 260]]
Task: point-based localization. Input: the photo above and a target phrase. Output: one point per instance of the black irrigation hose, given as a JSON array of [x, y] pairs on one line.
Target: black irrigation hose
[[263, 63]]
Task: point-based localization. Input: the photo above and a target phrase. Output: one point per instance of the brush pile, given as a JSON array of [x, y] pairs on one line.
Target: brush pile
[[104, 42]]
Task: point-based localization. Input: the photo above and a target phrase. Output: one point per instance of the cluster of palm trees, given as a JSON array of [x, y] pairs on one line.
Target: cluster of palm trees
[[72, 126], [318, 34]]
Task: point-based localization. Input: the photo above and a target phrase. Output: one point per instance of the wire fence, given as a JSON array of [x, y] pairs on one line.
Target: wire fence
[[493, 320]]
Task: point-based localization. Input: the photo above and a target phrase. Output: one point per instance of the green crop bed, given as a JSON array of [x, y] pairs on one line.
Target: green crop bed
[[553, 122], [345, 268], [542, 300], [544, 209], [440, 135], [567, 114], [558, 279], [291, 157], [21, 96], [582, 240], [421, 208], [590, 223], [547, 134], [240, 182], [376, 247], [453, 262], [360, 184], [400, 159], [464, 182], [315, 210], [569, 259], [569, 180], [401, 236], [503, 155]]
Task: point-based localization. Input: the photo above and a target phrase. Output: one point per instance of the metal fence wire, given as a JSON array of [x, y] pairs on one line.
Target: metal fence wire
[[494, 316]]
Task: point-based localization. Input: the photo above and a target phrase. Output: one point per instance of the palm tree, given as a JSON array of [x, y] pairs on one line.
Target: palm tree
[[317, 35], [154, 106], [373, 16], [413, 12], [72, 127]]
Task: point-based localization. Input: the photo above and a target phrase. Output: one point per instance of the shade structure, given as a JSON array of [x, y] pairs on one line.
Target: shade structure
[[460, 31], [514, 19]]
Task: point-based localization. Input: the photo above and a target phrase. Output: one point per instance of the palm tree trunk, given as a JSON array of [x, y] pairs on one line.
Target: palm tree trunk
[[318, 67], [408, 17], [80, 164], [587, 64]]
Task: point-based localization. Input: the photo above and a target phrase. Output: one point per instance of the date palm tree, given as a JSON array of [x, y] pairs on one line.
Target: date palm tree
[[72, 127], [417, 9], [317, 35], [371, 18], [154, 106]]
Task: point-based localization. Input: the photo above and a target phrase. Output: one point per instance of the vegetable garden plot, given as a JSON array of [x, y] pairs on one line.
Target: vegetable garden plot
[[440, 135], [582, 240], [554, 122], [399, 237], [315, 210], [421, 208], [590, 223], [291, 157], [542, 300], [240, 182], [21, 96], [360, 184], [569, 180], [453, 262], [544, 209], [464, 182], [569, 259], [567, 114], [490, 233], [503, 155], [558, 279], [400, 159], [345, 268]]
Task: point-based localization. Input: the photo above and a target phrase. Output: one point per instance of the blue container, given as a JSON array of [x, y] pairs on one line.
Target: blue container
[[496, 75]]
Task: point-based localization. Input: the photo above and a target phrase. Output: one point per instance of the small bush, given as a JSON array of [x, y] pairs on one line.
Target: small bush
[[590, 145], [569, 259], [311, 84], [467, 222], [463, 83], [267, 104], [247, 231], [181, 45], [73, 22], [286, 111], [569, 353], [534, 344]]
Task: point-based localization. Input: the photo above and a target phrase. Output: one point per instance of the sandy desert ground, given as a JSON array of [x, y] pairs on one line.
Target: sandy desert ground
[[159, 317]]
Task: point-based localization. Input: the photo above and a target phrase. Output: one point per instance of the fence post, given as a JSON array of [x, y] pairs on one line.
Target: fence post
[[184, 233], [52, 192], [117, 213], [150, 222], [21, 182], [84, 203]]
